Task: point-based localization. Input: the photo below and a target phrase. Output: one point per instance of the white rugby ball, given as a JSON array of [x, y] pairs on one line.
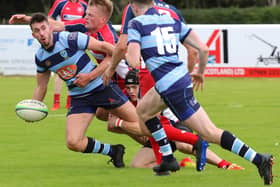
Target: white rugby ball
[[31, 110]]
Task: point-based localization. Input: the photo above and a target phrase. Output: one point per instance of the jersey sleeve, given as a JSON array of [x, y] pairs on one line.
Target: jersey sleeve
[[77, 25], [56, 8], [134, 32], [78, 40], [39, 65], [126, 17], [185, 30], [84, 5]]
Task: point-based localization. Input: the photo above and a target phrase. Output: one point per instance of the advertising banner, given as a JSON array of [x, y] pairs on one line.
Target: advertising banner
[[17, 49], [241, 50], [234, 50]]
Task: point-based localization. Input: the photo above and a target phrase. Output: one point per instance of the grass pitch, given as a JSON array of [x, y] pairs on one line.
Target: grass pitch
[[34, 155]]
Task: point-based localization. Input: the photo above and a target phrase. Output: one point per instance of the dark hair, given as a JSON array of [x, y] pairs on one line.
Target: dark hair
[[38, 18], [132, 77]]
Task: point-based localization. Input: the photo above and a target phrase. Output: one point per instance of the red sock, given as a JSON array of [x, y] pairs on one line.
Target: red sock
[[56, 98], [174, 134], [68, 102], [223, 164], [155, 147]]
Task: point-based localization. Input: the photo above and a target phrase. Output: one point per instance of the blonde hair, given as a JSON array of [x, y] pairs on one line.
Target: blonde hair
[[106, 5]]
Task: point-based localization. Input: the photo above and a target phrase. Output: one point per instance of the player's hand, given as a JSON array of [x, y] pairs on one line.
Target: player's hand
[[107, 76], [18, 18], [198, 81], [82, 80]]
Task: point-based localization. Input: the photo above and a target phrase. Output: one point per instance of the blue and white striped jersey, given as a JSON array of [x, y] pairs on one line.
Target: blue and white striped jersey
[[159, 36], [67, 58]]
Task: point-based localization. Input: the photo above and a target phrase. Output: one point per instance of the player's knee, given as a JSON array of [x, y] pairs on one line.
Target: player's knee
[[135, 164], [142, 113], [73, 144], [212, 135]]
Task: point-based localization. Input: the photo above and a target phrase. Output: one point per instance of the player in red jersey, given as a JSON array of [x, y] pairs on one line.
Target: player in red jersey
[[96, 24], [65, 10], [146, 157]]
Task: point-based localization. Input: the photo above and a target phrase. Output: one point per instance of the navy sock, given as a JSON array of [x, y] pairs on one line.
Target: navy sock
[[159, 135], [235, 145], [95, 146]]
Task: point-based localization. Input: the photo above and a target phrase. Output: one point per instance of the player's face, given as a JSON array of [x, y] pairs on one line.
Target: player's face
[[43, 33], [133, 91], [95, 18]]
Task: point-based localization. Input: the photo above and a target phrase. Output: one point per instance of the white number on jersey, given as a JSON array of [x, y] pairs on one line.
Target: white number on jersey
[[166, 40]]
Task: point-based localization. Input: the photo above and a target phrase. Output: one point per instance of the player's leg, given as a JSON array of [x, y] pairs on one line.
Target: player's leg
[[201, 123], [212, 158], [102, 114], [79, 117], [127, 119], [147, 109], [144, 158], [76, 140], [57, 90]]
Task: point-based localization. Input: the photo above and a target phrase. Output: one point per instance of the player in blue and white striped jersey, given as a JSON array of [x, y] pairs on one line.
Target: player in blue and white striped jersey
[[156, 37], [64, 53]]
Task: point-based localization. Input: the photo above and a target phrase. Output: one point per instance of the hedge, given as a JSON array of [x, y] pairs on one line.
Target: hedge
[[254, 15]]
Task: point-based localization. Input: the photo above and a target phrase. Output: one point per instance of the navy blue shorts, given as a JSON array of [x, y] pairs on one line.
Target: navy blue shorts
[[181, 101], [107, 97]]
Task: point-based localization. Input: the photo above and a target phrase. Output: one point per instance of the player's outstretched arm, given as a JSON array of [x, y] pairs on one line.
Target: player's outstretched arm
[[19, 18], [24, 19], [83, 79], [198, 76], [118, 55], [101, 46], [120, 50], [192, 57], [42, 85], [133, 54]]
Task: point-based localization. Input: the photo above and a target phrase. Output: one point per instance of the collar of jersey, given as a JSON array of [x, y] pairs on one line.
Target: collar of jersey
[[151, 11]]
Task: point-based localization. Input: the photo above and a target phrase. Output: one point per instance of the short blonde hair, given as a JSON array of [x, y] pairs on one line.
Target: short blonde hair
[[106, 5]]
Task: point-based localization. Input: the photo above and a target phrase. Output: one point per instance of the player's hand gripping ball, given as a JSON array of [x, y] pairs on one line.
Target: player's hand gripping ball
[[31, 110]]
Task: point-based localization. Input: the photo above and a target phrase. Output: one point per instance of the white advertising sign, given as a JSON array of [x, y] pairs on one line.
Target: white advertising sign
[[234, 50], [17, 49]]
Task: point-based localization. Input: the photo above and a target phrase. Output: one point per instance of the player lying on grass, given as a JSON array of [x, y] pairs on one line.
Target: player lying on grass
[[156, 37], [145, 157]]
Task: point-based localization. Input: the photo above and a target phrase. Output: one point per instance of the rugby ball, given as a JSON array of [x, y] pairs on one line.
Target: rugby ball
[[31, 110]]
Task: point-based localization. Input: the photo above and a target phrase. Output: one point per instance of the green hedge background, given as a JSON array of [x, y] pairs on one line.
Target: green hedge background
[[254, 15]]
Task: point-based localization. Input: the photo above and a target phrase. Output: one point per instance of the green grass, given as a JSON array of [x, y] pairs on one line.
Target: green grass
[[34, 155]]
